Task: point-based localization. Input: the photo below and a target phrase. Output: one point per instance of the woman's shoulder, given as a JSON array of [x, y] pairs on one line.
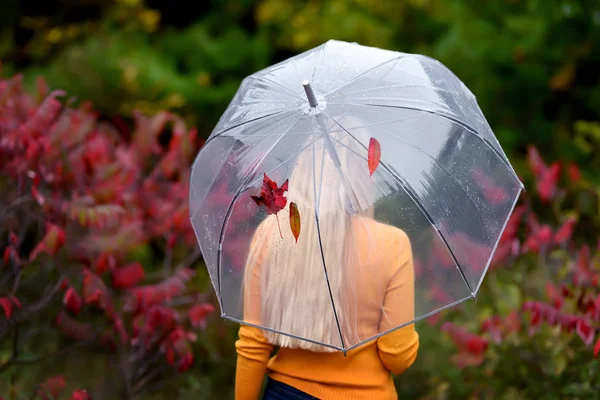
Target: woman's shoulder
[[384, 237]]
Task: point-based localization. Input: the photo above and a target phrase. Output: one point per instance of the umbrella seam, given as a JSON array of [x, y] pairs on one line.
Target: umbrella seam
[[323, 254]]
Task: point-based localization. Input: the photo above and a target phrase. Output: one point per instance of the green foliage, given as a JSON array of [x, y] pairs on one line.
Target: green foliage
[[124, 63]]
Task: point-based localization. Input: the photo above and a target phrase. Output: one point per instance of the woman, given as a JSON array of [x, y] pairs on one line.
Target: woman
[[370, 271]]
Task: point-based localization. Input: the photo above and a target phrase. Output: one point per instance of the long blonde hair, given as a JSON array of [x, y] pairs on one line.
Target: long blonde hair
[[294, 297]]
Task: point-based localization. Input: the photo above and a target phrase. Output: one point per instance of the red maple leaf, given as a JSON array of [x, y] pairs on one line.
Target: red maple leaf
[[198, 314], [271, 196], [128, 276], [72, 301]]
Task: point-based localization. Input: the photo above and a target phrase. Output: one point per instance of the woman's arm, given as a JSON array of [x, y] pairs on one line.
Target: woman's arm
[[398, 349], [252, 347], [253, 354]]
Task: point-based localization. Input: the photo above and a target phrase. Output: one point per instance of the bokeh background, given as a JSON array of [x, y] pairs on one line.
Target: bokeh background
[[151, 78]]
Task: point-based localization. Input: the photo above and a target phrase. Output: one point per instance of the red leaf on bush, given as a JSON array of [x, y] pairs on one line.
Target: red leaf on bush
[[582, 274], [465, 340], [149, 295], [554, 295], [374, 155], [585, 331], [463, 359], [545, 312], [72, 301], [39, 198], [295, 220], [565, 232], [11, 253], [94, 290], [127, 276], [513, 224], [177, 344], [546, 185], [198, 313], [51, 243], [80, 395], [493, 327], [536, 164], [574, 173], [73, 329], [104, 262], [597, 349], [53, 387], [7, 304], [43, 116], [120, 328], [539, 238], [64, 283], [155, 321], [12, 238], [185, 362]]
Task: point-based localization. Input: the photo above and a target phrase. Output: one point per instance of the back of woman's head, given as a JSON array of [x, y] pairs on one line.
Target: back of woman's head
[[331, 187]]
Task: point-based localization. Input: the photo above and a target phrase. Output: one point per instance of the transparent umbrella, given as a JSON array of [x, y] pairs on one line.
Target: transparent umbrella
[[347, 192]]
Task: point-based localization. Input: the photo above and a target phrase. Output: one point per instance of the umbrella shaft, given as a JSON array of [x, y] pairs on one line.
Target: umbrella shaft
[[312, 99]]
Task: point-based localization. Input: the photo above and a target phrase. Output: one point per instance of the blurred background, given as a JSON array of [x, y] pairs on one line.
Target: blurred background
[[145, 82]]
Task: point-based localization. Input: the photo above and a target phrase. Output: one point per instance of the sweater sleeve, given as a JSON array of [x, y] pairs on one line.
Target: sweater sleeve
[[253, 354], [398, 349], [252, 347]]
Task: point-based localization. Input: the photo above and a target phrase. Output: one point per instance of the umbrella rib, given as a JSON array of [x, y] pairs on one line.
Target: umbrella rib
[[413, 196], [454, 94], [239, 321], [259, 77], [322, 252], [351, 81], [237, 195], [491, 258], [228, 129], [449, 118], [421, 317]]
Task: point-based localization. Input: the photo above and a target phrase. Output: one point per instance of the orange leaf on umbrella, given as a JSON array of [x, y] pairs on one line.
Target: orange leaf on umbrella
[[295, 220], [374, 155]]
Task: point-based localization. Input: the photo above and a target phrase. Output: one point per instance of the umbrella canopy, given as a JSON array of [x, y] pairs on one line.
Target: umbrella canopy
[[347, 192]]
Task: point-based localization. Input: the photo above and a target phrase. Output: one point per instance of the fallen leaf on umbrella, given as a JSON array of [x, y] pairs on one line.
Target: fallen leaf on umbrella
[[271, 196], [295, 220], [374, 155]]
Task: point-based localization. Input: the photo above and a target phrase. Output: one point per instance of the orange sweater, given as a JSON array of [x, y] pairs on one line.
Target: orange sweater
[[365, 372]]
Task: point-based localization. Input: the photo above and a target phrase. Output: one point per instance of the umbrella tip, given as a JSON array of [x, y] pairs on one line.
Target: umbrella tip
[[312, 99]]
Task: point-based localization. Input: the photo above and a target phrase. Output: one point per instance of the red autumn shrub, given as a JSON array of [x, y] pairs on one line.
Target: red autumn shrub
[[537, 320], [80, 199]]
